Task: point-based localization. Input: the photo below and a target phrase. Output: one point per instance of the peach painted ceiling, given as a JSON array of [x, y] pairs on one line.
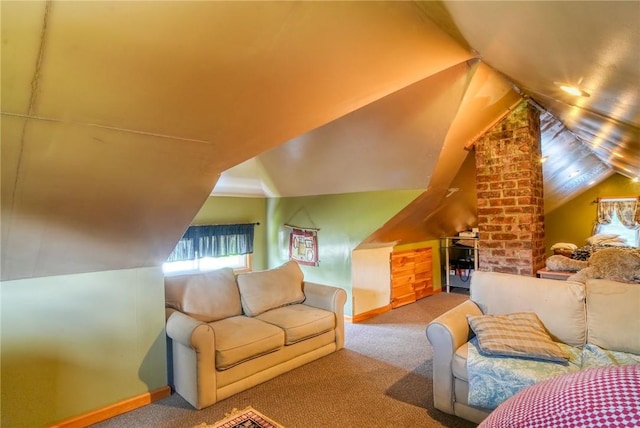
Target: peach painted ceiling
[[119, 118]]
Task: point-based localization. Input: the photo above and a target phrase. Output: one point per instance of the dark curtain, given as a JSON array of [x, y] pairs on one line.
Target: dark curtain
[[214, 241]]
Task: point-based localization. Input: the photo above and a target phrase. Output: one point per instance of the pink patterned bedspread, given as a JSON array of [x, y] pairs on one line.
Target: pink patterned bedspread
[[597, 397]]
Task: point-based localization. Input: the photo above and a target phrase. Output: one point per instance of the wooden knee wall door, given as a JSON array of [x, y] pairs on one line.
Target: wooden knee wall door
[[411, 276]]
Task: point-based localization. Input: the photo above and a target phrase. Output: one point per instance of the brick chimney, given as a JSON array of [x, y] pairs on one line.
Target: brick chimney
[[509, 186]]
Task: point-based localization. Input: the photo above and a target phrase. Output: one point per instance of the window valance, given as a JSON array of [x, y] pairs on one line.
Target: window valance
[[214, 241]]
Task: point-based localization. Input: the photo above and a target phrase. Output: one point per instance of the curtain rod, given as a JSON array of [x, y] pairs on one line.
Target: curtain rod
[[616, 198], [300, 228], [257, 223]]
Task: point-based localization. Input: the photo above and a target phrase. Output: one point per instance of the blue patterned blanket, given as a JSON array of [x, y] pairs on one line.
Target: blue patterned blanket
[[494, 379]]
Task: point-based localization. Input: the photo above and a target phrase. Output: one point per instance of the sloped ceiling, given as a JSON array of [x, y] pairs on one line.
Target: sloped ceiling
[[594, 45], [533, 46], [118, 118]]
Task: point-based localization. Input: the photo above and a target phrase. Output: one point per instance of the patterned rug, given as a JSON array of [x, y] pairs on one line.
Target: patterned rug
[[246, 418]]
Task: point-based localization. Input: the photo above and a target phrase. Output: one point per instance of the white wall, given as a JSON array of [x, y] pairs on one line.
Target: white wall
[[371, 278]]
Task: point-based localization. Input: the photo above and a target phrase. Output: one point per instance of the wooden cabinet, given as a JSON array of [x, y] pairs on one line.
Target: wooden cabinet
[[411, 276]]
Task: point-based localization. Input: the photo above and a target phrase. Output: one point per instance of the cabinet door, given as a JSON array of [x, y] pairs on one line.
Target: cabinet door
[[411, 276], [402, 278], [423, 285]]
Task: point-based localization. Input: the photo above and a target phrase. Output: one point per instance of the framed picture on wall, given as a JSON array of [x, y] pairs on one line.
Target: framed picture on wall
[[303, 246]]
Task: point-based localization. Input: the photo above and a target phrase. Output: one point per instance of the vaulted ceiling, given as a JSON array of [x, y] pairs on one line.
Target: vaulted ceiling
[[118, 118]]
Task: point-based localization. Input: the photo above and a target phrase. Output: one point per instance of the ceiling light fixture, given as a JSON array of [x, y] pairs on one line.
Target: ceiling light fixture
[[572, 89], [574, 173]]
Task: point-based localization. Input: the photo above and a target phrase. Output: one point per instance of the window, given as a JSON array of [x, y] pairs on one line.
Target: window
[[239, 263], [210, 247], [616, 228], [620, 216]]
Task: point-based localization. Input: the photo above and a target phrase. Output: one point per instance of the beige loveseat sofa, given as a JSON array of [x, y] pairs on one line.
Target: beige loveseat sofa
[[227, 333], [601, 312]]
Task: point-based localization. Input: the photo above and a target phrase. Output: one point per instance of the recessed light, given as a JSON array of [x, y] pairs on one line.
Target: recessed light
[[572, 89]]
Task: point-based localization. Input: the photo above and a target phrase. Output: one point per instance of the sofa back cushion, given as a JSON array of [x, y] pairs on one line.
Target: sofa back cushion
[[613, 320], [207, 296], [560, 305], [270, 289]]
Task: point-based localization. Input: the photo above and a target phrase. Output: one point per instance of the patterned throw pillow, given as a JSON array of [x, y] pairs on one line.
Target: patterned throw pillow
[[519, 334]]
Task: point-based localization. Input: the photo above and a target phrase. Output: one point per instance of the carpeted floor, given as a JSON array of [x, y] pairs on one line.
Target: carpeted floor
[[381, 379]]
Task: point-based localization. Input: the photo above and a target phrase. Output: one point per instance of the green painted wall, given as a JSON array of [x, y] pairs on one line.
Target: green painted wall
[[75, 343], [573, 221], [229, 210], [344, 220]]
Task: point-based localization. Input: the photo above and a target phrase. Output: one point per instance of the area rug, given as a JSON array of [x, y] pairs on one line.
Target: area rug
[[246, 418]]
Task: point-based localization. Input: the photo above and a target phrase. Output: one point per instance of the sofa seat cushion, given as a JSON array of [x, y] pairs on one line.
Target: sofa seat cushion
[[494, 379], [300, 322], [242, 338], [459, 362], [261, 291]]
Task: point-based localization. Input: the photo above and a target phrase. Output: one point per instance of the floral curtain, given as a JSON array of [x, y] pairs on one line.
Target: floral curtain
[[628, 212], [214, 241]]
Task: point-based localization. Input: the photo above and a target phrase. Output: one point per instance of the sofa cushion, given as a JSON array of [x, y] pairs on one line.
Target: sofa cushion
[[560, 305], [269, 289], [459, 362], [300, 322], [207, 296], [241, 338], [519, 334], [612, 315]]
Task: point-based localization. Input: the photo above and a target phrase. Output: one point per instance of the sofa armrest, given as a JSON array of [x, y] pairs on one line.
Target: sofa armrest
[[330, 299], [446, 334], [193, 358]]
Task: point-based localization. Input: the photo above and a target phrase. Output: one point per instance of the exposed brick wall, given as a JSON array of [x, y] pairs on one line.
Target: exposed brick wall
[[510, 194]]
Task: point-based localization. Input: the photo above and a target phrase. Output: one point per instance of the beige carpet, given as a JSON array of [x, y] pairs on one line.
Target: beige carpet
[[381, 379]]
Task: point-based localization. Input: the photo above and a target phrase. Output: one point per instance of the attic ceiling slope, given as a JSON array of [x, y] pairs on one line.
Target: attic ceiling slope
[[589, 44], [390, 144], [440, 211], [119, 116], [246, 76]]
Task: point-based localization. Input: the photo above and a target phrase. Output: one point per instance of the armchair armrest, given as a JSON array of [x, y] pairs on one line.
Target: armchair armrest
[[446, 334], [330, 299], [189, 331], [193, 358]]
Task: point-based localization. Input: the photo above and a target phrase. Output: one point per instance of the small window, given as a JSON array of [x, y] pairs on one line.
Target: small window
[[630, 236], [209, 247], [239, 263], [621, 217]]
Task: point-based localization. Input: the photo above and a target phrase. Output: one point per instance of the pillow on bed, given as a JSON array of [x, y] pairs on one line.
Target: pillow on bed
[[520, 334]]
